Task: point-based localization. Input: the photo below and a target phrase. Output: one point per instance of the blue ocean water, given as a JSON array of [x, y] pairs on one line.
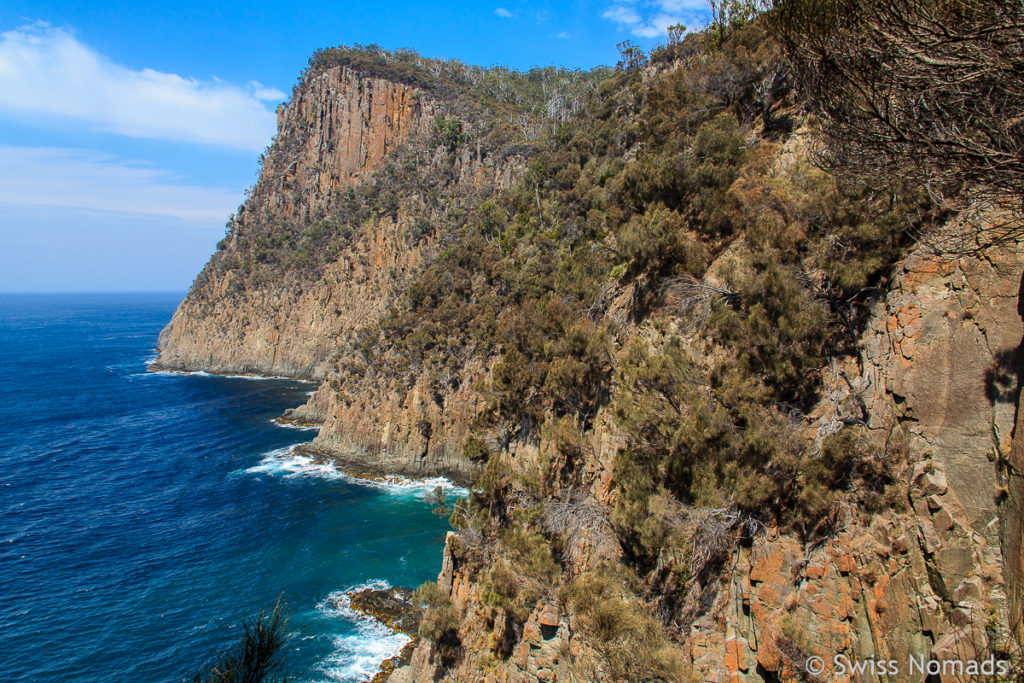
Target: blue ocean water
[[143, 516]]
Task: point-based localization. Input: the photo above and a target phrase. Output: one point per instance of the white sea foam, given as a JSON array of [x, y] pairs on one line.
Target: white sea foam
[[287, 462], [289, 425], [202, 373], [358, 656]]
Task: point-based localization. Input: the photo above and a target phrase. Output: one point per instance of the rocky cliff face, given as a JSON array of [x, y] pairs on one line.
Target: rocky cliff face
[[368, 186], [938, 360], [926, 581], [256, 309], [378, 430], [289, 328], [337, 129]]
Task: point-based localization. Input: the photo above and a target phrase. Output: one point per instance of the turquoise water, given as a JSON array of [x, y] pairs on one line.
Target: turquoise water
[[143, 515]]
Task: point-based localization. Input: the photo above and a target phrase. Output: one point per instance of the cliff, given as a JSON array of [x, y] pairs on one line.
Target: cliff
[[722, 412], [926, 580], [338, 128], [364, 183]]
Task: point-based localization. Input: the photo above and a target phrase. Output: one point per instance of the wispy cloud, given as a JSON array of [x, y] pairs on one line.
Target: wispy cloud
[[622, 15], [59, 177], [503, 13], [47, 71], [564, 35], [651, 18]]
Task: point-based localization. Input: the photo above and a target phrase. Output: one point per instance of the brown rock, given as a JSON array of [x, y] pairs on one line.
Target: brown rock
[[549, 617]]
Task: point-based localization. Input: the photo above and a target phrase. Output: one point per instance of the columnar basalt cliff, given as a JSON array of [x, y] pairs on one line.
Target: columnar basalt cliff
[[722, 412], [251, 312], [337, 129]]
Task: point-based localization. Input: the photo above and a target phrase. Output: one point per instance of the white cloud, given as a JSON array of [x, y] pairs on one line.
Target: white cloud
[[676, 6], [656, 27], [622, 15], [564, 35], [651, 18], [46, 71], [59, 177], [503, 13]]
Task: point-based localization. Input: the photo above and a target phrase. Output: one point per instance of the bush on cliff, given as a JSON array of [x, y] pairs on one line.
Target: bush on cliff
[[440, 621], [630, 640]]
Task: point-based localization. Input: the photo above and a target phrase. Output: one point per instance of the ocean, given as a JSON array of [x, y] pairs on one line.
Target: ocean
[[144, 516]]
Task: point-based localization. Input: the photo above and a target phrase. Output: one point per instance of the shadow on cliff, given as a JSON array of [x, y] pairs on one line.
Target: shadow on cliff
[[1004, 378]]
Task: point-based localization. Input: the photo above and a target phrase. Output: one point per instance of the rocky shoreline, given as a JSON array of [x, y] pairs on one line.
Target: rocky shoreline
[[392, 607], [361, 467], [156, 366]]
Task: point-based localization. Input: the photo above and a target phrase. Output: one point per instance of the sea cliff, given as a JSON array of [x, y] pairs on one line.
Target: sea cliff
[[723, 412]]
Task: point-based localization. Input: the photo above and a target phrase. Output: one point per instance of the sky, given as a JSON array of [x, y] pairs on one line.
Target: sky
[[129, 130]]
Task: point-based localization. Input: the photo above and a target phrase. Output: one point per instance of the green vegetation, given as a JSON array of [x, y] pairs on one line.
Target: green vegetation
[[631, 641], [440, 622], [662, 208], [528, 277], [258, 656]]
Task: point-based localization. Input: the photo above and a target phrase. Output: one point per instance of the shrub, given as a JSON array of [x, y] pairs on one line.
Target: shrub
[[257, 656], [657, 242], [475, 449], [440, 616], [629, 639], [499, 587]]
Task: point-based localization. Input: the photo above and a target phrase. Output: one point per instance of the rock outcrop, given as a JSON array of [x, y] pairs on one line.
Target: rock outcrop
[[380, 430], [289, 329], [941, 357], [337, 129]]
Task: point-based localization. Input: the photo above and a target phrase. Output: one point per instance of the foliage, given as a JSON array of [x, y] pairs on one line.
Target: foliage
[[916, 90], [257, 656], [500, 587], [694, 440], [450, 132], [475, 449], [629, 638], [439, 500], [440, 617]]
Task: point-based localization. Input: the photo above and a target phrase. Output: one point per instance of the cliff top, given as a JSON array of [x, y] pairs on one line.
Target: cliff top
[[455, 80]]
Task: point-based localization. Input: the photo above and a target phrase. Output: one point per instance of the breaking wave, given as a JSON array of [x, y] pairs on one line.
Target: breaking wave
[[287, 462], [357, 656]]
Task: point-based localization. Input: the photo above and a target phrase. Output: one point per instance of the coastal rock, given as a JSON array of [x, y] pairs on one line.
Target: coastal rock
[[335, 131], [392, 607]]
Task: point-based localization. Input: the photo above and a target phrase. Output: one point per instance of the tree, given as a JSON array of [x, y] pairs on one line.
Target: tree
[[631, 56], [676, 33], [925, 92], [727, 15], [256, 657]]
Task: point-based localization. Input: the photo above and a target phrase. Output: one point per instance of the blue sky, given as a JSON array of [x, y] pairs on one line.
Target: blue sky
[[130, 130]]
